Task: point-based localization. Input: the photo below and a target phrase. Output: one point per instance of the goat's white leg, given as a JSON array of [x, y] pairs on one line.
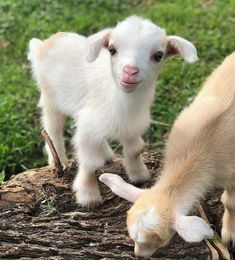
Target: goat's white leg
[[133, 162], [92, 155], [228, 227], [108, 152], [53, 122]]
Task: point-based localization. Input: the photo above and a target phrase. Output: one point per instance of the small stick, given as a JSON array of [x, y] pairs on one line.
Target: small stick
[[58, 165], [216, 239], [214, 253]]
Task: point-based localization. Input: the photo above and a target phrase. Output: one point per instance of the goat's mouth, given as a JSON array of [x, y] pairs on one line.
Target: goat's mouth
[[129, 85]]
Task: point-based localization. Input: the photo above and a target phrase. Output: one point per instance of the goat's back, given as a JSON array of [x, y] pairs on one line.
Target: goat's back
[[63, 75], [204, 132]]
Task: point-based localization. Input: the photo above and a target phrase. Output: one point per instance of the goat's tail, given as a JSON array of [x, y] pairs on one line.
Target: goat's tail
[[34, 46]]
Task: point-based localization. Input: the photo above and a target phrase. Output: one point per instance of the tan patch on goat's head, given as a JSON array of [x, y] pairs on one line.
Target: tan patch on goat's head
[[149, 224], [48, 44]]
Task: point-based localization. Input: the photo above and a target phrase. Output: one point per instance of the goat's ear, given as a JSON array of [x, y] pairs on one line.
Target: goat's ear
[[96, 42], [178, 45], [192, 229], [120, 187]]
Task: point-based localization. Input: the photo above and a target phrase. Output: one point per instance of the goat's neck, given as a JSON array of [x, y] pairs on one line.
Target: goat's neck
[[183, 183], [142, 97]]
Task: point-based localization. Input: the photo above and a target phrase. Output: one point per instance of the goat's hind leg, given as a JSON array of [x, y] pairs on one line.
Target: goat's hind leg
[[228, 227], [107, 152], [53, 123]]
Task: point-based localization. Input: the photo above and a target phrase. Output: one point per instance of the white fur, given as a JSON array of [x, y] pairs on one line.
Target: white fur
[[34, 45], [147, 220], [185, 48], [192, 228], [120, 187], [93, 95]]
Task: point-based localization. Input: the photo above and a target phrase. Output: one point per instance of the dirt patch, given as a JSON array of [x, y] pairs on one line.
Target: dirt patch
[[47, 223]]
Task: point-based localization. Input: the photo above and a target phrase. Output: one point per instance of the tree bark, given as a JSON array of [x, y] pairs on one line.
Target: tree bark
[[39, 219]]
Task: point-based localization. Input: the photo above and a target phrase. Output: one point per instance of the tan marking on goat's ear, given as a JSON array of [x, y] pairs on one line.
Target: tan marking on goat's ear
[[48, 44], [179, 45], [106, 43]]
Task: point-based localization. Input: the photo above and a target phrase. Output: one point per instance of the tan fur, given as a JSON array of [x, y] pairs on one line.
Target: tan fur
[[228, 229], [200, 154], [48, 44], [202, 138], [199, 145], [45, 90]]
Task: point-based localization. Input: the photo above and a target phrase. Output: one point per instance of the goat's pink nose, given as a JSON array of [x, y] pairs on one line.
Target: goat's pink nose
[[130, 70]]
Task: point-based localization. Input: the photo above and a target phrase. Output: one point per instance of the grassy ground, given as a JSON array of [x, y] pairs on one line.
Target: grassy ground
[[208, 24]]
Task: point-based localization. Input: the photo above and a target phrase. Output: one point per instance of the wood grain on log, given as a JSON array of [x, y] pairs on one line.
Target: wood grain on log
[[39, 219]]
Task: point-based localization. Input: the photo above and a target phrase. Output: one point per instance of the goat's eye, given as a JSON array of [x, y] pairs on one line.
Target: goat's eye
[[158, 56], [112, 49]]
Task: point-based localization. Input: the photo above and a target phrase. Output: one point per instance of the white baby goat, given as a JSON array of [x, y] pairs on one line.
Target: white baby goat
[[106, 83], [200, 154]]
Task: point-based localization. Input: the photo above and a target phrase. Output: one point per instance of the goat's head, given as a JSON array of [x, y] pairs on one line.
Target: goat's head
[[137, 49], [154, 219]]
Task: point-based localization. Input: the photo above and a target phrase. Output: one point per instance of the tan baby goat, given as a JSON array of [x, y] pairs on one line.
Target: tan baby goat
[[200, 155]]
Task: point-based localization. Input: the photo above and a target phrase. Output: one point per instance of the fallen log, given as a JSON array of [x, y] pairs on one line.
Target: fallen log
[[39, 219]]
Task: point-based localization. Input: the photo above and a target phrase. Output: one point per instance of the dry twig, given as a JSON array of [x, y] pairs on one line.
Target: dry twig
[[58, 165], [216, 243]]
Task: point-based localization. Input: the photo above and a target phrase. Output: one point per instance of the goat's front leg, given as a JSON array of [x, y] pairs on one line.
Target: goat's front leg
[[92, 155], [133, 162], [228, 227]]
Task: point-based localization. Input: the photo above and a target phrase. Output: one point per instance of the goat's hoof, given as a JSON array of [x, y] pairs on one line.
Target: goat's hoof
[[140, 176], [88, 200], [140, 179], [91, 204], [109, 161]]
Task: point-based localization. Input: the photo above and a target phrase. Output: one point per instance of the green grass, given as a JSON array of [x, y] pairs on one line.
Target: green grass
[[208, 24]]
